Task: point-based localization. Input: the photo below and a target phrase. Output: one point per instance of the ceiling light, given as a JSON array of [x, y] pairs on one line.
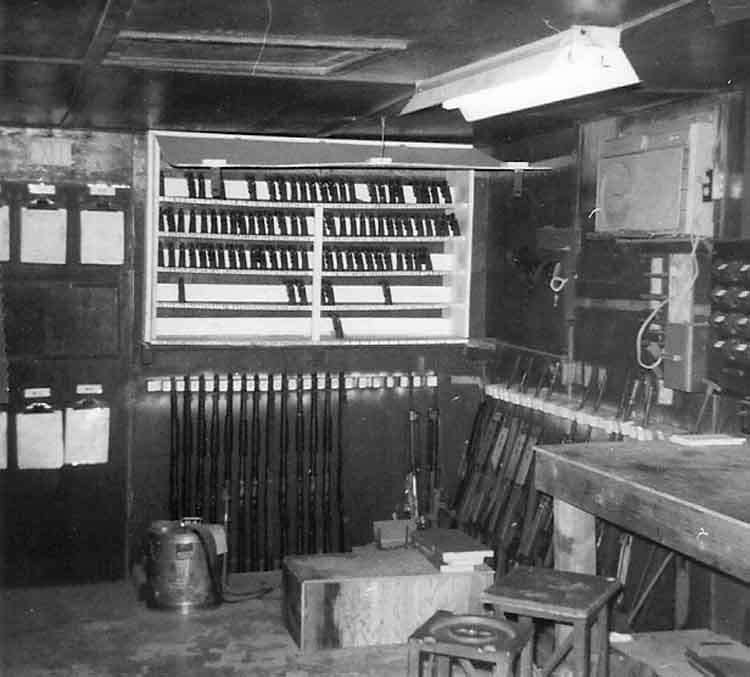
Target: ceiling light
[[579, 61]]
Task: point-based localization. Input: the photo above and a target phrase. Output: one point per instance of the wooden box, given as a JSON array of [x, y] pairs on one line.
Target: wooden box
[[370, 597]]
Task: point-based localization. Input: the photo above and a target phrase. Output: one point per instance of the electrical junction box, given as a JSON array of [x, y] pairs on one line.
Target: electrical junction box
[[654, 183], [685, 347]]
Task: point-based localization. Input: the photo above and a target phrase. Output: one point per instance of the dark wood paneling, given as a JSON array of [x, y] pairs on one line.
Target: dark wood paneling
[[521, 308], [67, 325]]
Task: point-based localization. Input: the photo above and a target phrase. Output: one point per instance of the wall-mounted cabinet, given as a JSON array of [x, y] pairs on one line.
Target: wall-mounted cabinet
[[241, 250]]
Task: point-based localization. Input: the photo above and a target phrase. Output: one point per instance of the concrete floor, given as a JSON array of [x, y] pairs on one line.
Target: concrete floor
[[103, 630]]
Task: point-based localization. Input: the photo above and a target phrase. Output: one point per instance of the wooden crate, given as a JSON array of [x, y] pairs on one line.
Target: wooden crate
[[370, 597]]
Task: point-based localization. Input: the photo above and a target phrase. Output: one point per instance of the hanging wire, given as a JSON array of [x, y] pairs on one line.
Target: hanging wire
[[382, 136], [267, 30], [695, 240]]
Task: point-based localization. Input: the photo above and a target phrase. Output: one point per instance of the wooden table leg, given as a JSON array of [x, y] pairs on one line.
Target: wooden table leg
[[526, 661], [602, 641], [582, 649], [574, 538], [575, 546]]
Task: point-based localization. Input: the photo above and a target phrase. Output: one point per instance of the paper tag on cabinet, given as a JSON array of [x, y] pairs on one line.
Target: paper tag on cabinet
[[39, 440], [86, 436], [3, 440]]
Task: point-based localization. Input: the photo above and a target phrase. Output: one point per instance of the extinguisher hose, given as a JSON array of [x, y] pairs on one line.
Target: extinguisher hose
[[224, 592]]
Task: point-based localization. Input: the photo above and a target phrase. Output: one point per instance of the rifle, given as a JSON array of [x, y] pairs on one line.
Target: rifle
[[491, 450], [267, 560], [174, 451], [587, 390], [242, 478], [187, 446], [521, 487], [621, 406], [411, 488], [517, 466], [601, 379], [312, 471], [340, 468], [503, 458], [432, 454], [326, 470], [299, 441], [254, 468], [469, 452], [228, 443], [202, 447], [284, 444], [213, 471]]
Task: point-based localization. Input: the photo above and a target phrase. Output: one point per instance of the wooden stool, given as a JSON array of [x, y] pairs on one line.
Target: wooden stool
[[564, 597], [470, 639]]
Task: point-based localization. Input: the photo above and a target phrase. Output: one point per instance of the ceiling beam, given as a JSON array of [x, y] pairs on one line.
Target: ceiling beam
[[655, 14], [51, 60], [255, 38], [111, 20], [378, 109]]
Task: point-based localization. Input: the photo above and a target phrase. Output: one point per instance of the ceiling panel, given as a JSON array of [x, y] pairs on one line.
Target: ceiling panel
[[323, 67], [48, 28]]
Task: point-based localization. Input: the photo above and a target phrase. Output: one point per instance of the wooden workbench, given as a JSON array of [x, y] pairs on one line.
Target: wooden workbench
[[694, 500]]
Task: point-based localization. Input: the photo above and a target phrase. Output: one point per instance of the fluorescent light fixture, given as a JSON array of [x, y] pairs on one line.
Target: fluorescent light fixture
[[579, 61]]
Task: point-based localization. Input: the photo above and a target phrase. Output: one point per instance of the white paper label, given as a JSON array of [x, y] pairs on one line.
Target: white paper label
[[43, 235], [102, 237], [39, 440], [3, 440], [4, 233], [36, 393], [361, 192], [236, 190], [102, 189], [176, 186], [86, 436], [41, 189], [261, 190], [89, 389]]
